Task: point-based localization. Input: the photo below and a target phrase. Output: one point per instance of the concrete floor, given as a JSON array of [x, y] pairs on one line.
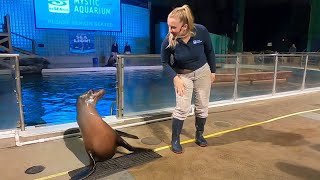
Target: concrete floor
[[287, 147]]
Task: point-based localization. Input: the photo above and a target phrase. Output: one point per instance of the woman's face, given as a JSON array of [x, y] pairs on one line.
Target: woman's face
[[176, 28]]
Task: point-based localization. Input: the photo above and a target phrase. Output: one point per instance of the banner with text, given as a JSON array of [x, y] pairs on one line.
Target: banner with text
[[81, 42], [101, 15]]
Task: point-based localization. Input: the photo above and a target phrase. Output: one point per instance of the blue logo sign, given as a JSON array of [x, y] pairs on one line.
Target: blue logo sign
[[59, 6]]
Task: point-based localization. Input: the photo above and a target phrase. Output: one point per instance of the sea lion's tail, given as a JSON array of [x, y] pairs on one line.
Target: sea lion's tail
[[124, 134]]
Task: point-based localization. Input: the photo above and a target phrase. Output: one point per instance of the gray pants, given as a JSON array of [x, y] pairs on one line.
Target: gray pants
[[199, 82]]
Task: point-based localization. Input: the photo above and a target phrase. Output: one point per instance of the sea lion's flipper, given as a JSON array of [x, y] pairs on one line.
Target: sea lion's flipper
[[124, 134], [87, 171], [123, 143]]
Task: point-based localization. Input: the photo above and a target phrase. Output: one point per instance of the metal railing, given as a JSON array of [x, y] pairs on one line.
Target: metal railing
[[33, 45], [10, 38], [16, 66], [238, 62], [277, 61]]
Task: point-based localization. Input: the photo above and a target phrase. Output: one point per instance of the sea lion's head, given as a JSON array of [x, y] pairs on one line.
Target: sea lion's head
[[91, 97]]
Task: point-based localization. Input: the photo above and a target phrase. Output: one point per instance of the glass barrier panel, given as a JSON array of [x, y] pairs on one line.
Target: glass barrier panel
[[313, 72], [146, 86], [51, 98], [255, 75], [9, 107], [290, 72], [223, 87], [49, 95]]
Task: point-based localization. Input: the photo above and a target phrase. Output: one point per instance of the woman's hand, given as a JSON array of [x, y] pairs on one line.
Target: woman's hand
[[213, 77], [179, 85]]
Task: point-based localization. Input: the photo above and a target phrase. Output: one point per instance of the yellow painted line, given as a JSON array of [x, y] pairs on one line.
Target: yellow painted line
[[207, 136], [54, 175], [239, 128]]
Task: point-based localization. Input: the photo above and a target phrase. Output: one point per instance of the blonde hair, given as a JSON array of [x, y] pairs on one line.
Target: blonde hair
[[185, 16]]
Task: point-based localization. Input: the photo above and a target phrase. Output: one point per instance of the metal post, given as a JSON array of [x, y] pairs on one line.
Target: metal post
[[275, 76], [33, 46], [19, 96], [122, 87], [112, 107], [7, 29], [236, 79], [304, 73], [118, 87]]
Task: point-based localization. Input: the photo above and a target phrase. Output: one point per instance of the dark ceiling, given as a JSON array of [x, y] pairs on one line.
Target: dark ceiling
[[265, 20], [250, 3]]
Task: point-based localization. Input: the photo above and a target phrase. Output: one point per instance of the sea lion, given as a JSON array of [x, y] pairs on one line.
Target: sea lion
[[100, 140]]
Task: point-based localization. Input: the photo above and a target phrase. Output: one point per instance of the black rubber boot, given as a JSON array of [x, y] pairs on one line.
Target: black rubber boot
[[200, 122], [176, 130]]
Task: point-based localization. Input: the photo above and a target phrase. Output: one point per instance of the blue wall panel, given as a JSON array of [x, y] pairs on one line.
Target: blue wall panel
[[135, 31]]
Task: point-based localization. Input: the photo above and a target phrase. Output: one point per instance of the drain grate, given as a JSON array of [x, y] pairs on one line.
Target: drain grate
[[119, 164], [34, 169]]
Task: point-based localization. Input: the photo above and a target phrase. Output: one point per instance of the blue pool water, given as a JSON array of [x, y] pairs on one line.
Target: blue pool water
[[51, 99]]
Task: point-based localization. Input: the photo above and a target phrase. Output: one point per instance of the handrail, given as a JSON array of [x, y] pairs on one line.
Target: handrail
[[6, 25], [138, 55], [6, 28], [112, 107], [22, 36], [33, 42], [299, 53], [302, 52], [8, 55], [218, 55]]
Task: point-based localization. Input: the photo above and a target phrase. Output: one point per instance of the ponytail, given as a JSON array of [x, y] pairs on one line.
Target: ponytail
[[185, 16]]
